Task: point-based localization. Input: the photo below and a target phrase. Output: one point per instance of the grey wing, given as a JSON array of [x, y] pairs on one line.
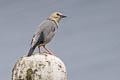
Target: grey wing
[[32, 39], [44, 33]]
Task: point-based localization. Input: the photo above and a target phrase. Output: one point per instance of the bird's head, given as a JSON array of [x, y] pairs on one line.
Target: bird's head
[[57, 16]]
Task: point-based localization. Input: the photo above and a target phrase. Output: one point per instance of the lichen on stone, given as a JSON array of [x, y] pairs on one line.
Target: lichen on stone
[[29, 74]]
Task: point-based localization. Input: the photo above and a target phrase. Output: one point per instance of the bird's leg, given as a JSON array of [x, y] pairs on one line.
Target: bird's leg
[[49, 52], [39, 48]]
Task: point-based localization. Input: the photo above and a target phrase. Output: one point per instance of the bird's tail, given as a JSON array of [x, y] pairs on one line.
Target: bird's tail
[[31, 51]]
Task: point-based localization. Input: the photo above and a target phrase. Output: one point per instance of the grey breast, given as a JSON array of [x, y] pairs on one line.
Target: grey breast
[[47, 29]]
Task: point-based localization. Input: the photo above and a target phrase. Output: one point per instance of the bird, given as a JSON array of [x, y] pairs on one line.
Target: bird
[[45, 32]]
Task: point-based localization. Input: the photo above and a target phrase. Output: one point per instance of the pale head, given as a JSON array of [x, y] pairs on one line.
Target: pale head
[[57, 16]]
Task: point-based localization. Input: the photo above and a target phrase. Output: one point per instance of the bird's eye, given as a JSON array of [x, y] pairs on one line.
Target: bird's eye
[[58, 14]]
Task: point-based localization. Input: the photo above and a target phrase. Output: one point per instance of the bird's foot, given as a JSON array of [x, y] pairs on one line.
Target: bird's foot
[[50, 53]]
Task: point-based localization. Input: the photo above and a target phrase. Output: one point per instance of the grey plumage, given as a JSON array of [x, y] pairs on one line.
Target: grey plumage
[[43, 34], [31, 51]]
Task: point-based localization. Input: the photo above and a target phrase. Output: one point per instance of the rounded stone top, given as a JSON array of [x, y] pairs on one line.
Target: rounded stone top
[[39, 67]]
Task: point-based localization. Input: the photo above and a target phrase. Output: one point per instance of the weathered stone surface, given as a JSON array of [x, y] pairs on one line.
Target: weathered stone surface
[[39, 67]]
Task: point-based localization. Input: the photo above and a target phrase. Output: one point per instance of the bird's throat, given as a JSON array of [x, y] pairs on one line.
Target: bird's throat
[[56, 20]]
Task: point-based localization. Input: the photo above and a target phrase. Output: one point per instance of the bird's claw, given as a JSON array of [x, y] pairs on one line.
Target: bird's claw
[[50, 53]]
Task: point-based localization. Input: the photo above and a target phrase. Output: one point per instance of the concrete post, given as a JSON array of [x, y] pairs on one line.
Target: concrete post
[[39, 67]]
